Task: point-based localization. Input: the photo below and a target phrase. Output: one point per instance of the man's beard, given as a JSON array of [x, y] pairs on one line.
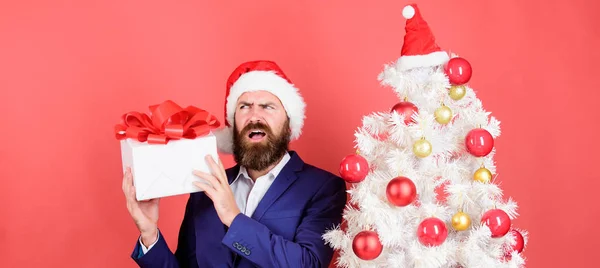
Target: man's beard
[[260, 155]]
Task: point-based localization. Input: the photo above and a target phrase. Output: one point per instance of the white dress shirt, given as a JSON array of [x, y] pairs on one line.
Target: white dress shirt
[[247, 193]]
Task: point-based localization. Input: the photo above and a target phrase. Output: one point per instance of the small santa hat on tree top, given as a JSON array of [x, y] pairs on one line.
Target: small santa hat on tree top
[[419, 48], [255, 76]]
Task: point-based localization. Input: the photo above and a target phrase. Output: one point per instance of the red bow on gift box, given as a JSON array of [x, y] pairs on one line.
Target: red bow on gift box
[[168, 121]]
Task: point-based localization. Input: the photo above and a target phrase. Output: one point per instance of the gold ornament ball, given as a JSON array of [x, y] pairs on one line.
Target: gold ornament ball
[[422, 148], [461, 221], [457, 92], [482, 175], [443, 114]]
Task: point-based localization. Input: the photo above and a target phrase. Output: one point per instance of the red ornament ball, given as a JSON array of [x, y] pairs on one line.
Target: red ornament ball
[[458, 70], [432, 232], [366, 245], [498, 222], [401, 191], [519, 244], [354, 168], [479, 142], [407, 109]]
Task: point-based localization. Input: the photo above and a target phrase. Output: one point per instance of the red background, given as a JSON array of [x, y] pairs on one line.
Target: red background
[[69, 70]]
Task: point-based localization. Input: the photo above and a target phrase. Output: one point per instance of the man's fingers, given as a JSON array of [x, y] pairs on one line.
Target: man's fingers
[[132, 203], [123, 185], [126, 185], [130, 189], [206, 188], [125, 179], [132, 192], [216, 170], [213, 165], [214, 182]]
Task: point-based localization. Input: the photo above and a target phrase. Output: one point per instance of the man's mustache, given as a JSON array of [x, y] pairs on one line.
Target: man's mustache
[[258, 126]]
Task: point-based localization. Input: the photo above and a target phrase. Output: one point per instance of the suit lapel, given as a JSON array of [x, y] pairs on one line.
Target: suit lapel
[[284, 180], [232, 173]]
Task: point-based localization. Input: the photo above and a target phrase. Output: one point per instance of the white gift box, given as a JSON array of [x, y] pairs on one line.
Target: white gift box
[[161, 170]]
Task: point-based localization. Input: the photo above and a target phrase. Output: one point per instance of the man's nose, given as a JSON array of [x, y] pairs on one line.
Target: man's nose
[[255, 114]]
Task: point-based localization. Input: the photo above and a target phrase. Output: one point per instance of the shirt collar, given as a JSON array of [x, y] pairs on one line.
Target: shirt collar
[[273, 173]]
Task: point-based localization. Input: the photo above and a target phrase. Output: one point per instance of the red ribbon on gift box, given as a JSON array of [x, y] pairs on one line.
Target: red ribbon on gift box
[[167, 121]]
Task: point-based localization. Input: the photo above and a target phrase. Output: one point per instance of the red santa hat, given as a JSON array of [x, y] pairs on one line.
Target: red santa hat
[[256, 76], [419, 48]]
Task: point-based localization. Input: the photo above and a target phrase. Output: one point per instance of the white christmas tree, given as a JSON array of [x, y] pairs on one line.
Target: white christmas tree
[[423, 186]]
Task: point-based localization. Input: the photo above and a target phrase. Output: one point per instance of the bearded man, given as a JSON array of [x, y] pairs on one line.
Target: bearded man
[[271, 209]]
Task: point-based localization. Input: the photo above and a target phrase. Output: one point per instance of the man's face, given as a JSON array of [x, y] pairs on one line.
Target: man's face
[[261, 130]]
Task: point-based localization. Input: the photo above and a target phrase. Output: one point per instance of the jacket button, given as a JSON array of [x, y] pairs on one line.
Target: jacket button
[[236, 244], [247, 252]]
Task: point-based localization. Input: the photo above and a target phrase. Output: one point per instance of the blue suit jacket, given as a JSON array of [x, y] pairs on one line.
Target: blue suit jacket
[[285, 230]]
